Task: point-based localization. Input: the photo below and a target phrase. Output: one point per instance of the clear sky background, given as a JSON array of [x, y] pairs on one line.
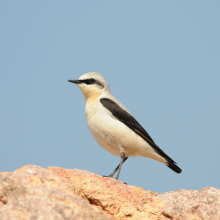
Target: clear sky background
[[162, 61]]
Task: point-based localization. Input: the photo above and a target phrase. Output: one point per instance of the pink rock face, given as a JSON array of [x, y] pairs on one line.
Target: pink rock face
[[32, 192], [192, 204]]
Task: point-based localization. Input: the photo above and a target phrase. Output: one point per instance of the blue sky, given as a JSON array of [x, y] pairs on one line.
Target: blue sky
[[161, 59]]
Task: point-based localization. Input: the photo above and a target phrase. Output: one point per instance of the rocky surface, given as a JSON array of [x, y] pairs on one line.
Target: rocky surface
[[32, 192], [192, 204]]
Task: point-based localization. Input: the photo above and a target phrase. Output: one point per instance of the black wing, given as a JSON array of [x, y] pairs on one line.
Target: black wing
[[130, 121]]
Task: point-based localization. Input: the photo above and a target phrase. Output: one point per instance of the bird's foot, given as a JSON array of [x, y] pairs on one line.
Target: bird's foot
[[110, 176]]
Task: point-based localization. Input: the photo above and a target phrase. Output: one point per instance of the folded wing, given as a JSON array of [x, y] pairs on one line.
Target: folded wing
[[130, 121]]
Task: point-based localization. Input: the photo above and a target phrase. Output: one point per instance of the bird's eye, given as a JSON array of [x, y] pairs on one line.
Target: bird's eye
[[91, 80]]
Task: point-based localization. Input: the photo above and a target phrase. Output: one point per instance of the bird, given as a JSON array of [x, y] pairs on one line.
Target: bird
[[113, 126]]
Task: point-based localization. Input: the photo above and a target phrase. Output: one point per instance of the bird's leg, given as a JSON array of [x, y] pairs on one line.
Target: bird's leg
[[121, 162], [113, 173]]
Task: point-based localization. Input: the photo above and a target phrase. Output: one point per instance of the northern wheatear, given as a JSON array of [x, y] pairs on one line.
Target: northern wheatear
[[113, 126]]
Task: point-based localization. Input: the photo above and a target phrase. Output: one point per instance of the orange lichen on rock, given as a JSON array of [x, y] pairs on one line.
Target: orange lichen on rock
[[112, 196]]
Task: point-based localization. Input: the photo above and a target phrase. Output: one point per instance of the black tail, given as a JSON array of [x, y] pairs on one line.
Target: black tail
[[174, 167]]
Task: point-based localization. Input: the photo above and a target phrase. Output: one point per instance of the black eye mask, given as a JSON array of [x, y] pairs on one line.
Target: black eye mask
[[88, 82]]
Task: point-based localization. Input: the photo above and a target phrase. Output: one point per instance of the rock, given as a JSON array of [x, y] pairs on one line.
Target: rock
[[192, 204], [32, 192], [113, 196], [37, 194]]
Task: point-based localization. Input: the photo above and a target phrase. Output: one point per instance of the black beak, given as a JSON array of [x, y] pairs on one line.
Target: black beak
[[75, 81]]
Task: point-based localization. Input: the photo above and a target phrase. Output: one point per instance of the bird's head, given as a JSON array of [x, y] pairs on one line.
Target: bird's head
[[91, 84]]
